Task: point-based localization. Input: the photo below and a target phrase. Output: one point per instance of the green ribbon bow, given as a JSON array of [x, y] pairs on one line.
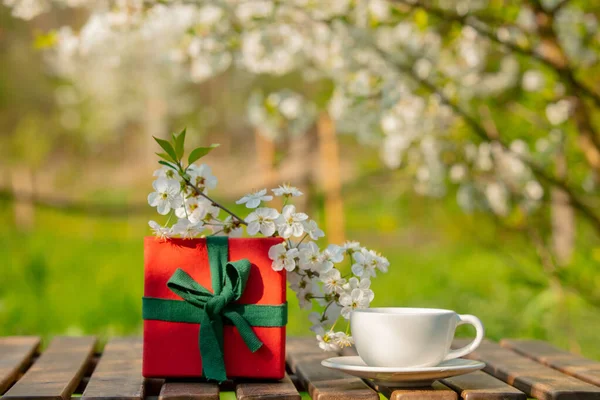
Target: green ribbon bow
[[213, 310]]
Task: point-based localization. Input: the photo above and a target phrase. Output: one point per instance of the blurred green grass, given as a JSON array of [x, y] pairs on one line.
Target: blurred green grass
[[77, 274]]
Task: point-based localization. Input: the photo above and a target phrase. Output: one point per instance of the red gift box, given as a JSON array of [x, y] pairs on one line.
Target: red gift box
[[171, 349]]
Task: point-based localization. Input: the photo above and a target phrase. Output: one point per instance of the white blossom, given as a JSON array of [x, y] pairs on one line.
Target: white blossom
[[197, 209], [342, 339], [231, 227], [534, 190], [202, 177], [287, 191], [350, 302], [310, 256], [351, 246], [186, 229], [166, 172], [327, 342], [308, 289], [333, 281], [364, 264], [497, 197], [27, 9], [378, 261], [533, 80], [167, 195], [263, 220], [333, 254], [282, 257], [294, 278], [313, 230], [252, 200], [289, 222], [363, 285], [558, 112], [159, 230], [458, 172]]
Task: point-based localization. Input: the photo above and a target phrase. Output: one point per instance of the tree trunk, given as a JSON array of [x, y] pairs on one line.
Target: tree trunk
[[265, 154], [23, 187], [331, 179], [562, 217]]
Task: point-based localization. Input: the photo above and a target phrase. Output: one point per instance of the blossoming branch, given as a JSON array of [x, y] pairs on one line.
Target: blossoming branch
[[316, 275]]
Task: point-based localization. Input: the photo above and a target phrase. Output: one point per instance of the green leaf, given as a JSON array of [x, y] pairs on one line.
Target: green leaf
[[165, 156], [200, 152], [179, 142], [166, 146], [167, 164]]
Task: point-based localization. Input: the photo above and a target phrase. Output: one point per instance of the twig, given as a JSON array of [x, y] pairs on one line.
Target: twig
[[214, 203], [488, 120], [559, 6], [545, 256]]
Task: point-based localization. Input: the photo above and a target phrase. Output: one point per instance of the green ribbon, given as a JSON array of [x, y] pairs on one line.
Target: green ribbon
[[213, 310]]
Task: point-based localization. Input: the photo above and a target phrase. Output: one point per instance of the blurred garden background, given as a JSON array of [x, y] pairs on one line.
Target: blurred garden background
[[457, 137]]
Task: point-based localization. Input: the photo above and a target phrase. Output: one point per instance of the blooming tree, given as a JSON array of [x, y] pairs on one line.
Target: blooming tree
[[181, 191], [493, 101]]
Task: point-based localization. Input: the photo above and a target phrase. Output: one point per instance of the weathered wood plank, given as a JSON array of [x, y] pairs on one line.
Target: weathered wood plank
[[118, 375], [479, 386], [304, 359], [531, 377], [56, 374], [301, 346], [437, 391], [16, 352], [189, 391], [571, 364], [283, 390]]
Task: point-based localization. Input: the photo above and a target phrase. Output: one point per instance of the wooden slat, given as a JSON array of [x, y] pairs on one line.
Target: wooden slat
[[16, 352], [304, 359], [479, 386], [283, 390], [55, 375], [571, 364], [301, 346], [529, 376], [118, 375], [437, 391], [189, 391]]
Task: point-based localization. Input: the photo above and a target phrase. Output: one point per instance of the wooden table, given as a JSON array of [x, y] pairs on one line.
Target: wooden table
[[72, 367]]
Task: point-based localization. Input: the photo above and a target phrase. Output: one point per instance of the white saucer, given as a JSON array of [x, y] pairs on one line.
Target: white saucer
[[402, 377]]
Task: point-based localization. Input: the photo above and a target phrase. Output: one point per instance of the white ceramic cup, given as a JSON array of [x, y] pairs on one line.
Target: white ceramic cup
[[409, 337]]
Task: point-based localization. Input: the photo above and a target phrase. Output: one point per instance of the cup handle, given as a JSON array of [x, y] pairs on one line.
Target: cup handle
[[473, 320]]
